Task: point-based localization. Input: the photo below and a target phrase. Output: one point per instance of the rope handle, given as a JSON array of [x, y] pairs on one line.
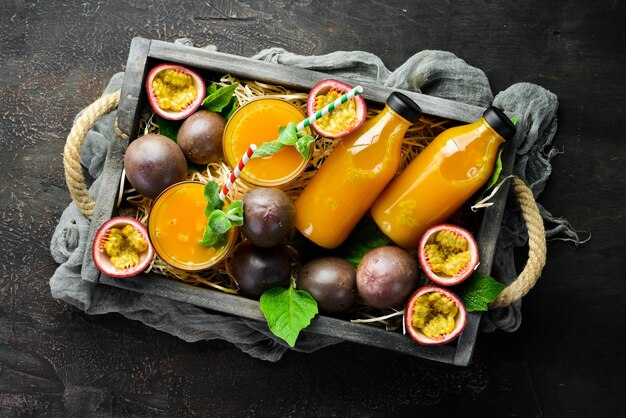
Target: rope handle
[[536, 248], [71, 154], [530, 212]]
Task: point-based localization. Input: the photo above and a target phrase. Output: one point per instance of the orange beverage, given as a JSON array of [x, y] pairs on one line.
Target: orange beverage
[[255, 123], [457, 163], [176, 223], [354, 174]]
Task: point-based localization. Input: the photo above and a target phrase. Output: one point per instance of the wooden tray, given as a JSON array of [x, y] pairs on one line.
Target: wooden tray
[[145, 54]]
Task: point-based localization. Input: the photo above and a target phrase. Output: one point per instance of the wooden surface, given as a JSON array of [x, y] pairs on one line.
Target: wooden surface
[[566, 359]]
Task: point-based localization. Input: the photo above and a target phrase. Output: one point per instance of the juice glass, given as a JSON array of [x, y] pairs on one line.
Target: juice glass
[[176, 223], [255, 123]]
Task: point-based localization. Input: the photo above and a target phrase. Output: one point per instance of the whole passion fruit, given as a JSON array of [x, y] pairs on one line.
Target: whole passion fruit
[[200, 137], [331, 281], [341, 121], [258, 269], [386, 276], [448, 254], [269, 216], [174, 91], [434, 316], [122, 248], [154, 162]]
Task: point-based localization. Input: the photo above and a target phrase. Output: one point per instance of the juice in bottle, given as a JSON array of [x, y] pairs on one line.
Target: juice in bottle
[[255, 123], [176, 223], [357, 170], [457, 163]]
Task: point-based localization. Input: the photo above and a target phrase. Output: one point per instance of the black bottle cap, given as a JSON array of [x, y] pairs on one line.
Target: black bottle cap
[[404, 106], [499, 122]]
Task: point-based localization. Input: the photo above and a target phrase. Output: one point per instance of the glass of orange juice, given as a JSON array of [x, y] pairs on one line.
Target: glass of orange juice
[[176, 223], [255, 123]]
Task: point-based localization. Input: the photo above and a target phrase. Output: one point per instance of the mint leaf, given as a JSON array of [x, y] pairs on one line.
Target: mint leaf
[[479, 291], [514, 120], [216, 100], [168, 128], [211, 239], [212, 195], [287, 311], [287, 135], [267, 149], [496, 171], [365, 237], [234, 213], [230, 108], [303, 145], [218, 222]]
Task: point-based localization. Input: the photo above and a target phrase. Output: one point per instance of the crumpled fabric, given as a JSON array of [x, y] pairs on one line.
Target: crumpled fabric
[[437, 73]]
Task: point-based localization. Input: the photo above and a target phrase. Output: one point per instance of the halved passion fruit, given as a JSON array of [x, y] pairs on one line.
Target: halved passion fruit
[[448, 254], [122, 247], [341, 121], [434, 316], [174, 91]]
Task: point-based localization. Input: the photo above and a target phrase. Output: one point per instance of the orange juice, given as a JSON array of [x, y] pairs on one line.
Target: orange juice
[[457, 163], [354, 174], [255, 123], [176, 224]]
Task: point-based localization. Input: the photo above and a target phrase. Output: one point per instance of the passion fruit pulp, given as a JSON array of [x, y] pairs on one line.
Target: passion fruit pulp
[[448, 254], [341, 121], [122, 248], [174, 91], [434, 315]]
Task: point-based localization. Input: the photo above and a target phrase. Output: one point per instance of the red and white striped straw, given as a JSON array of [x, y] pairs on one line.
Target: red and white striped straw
[[237, 171]]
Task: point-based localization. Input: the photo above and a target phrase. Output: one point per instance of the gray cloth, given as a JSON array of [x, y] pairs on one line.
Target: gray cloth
[[436, 73]]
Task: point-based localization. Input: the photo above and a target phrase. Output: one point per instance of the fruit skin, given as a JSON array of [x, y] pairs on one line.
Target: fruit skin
[[200, 137], [461, 318], [386, 276], [100, 257], [463, 274], [331, 281], [322, 88], [170, 115], [258, 269], [269, 216], [154, 162]]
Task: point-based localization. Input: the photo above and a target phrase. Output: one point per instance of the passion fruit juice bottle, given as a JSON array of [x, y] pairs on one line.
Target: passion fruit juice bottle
[[457, 163], [354, 174]]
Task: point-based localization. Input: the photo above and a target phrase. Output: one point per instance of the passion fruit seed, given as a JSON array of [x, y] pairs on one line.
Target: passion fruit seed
[[124, 247], [449, 254], [434, 315], [174, 90], [343, 118]]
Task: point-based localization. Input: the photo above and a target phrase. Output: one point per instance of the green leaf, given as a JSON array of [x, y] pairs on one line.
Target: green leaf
[[267, 149], [496, 172], [168, 128], [212, 195], [234, 213], [303, 145], [287, 135], [217, 100], [230, 108], [218, 222], [211, 239], [479, 291], [365, 237], [514, 120], [287, 311]]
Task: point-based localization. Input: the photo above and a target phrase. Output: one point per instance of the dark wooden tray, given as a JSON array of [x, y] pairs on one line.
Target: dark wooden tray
[[145, 54]]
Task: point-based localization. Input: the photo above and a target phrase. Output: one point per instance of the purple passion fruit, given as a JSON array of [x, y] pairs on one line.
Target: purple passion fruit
[[269, 216], [434, 316], [174, 91], [154, 162], [122, 248], [331, 281], [258, 269], [386, 276], [448, 254], [341, 121], [200, 137]]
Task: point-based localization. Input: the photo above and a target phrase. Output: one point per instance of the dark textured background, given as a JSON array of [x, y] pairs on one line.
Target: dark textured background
[[566, 359]]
